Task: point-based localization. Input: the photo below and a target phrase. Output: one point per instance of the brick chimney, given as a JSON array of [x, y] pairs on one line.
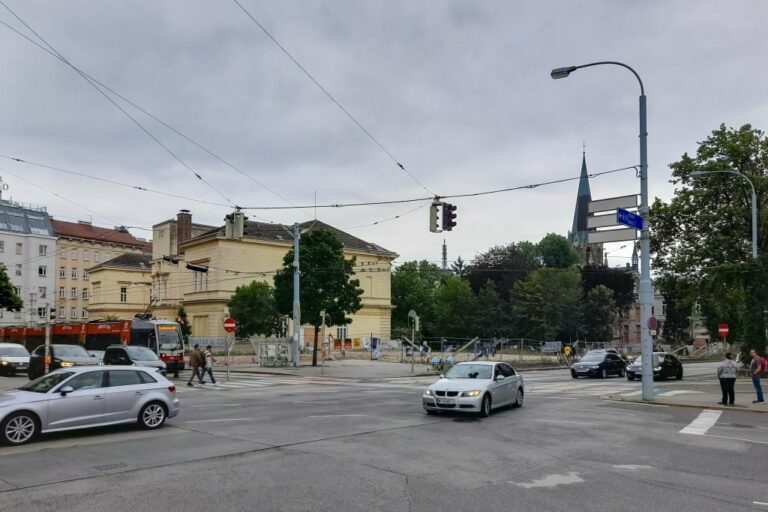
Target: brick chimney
[[183, 228]]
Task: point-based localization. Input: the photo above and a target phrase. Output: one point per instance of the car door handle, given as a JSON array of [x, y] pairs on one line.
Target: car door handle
[[98, 397], [138, 393]]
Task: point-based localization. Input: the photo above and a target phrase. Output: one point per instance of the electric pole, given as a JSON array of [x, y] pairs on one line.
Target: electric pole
[[296, 296]]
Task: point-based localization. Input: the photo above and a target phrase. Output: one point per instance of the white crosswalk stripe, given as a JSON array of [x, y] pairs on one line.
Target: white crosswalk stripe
[[230, 385]]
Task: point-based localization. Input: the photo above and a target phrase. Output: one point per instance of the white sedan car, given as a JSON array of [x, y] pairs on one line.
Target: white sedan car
[[85, 397], [476, 387]]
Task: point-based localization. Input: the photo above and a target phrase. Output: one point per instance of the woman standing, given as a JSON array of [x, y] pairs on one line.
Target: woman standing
[[726, 372]]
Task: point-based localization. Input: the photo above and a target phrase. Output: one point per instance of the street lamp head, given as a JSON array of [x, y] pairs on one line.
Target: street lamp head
[[698, 174], [562, 72]]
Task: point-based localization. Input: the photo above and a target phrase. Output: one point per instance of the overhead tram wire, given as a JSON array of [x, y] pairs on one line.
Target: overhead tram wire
[[333, 99], [120, 108], [154, 117], [389, 219]]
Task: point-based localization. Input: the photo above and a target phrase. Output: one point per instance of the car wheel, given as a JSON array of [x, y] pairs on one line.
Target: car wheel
[[485, 407], [19, 428], [574, 375], [630, 377], [430, 412], [30, 375], [519, 399], [604, 374], [679, 375], [152, 416], [621, 372]]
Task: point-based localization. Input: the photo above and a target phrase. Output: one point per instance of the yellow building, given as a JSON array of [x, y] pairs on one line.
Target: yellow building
[[121, 287], [80, 246], [242, 251]]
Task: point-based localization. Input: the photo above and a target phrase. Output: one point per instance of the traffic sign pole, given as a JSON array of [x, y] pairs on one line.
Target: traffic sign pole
[[230, 324]]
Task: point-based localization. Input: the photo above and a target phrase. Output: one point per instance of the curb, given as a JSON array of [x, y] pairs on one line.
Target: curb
[[739, 408]]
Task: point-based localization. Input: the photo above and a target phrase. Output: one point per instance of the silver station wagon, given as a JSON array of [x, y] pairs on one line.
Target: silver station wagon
[[85, 397]]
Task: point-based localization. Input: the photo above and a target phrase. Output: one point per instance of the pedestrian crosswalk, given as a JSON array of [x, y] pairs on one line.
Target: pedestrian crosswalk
[[224, 385]]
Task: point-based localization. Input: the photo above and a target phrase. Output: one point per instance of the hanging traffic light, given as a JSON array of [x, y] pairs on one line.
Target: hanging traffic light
[[449, 216], [434, 216]]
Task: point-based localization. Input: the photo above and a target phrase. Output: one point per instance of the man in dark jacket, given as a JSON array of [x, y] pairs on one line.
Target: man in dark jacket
[[195, 362]]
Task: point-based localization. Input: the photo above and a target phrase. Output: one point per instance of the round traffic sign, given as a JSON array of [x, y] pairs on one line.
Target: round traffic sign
[[653, 323], [230, 325], [723, 330]]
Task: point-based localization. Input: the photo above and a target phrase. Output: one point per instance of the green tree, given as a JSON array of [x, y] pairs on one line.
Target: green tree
[[455, 308], [254, 309], [678, 300], [8, 298], [326, 283], [546, 304], [620, 281], [414, 284], [504, 265], [459, 267], [557, 252], [186, 329], [492, 319], [598, 315]]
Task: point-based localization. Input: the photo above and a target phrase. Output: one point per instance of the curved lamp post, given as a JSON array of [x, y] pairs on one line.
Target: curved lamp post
[[699, 174], [646, 293]]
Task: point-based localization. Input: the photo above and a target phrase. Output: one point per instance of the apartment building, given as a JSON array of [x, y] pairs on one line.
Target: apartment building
[[27, 251], [80, 246], [120, 287]]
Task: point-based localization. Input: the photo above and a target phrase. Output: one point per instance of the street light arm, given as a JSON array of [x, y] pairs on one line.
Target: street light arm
[[698, 174], [639, 80]]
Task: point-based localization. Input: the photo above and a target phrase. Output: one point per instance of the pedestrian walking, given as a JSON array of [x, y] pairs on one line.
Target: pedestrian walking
[[726, 372], [756, 368], [195, 362], [208, 361]]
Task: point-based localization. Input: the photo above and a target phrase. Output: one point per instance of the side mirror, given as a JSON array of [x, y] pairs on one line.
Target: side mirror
[[499, 377], [442, 375], [66, 390]]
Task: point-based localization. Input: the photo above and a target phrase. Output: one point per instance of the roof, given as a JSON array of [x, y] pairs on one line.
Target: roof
[[127, 261], [88, 231], [282, 234], [16, 218]]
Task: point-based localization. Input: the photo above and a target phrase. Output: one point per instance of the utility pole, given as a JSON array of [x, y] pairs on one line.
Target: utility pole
[[296, 296], [445, 256], [47, 358]]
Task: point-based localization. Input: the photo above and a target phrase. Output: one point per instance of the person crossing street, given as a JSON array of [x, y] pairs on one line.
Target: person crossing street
[[195, 363], [208, 361]]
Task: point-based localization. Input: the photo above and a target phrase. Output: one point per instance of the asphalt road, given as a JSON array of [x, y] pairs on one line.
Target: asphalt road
[[293, 444]]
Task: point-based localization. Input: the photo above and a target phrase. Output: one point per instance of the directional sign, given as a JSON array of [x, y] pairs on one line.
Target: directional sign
[[629, 219], [611, 235], [230, 325], [723, 330], [602, 221], [610, 204]]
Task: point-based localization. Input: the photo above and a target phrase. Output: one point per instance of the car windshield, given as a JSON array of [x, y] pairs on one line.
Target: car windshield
[[469, 371], [13, 352], [592, 358], [70, 351], [47, 382], [141, 354], [169, 338], [657, 358]]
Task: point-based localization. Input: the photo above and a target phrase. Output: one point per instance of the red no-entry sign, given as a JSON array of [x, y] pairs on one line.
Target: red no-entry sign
[[722, 330], [230, 325]]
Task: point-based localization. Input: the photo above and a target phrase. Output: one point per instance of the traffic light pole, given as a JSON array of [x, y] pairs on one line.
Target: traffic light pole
[[47, 358], [296, 297]]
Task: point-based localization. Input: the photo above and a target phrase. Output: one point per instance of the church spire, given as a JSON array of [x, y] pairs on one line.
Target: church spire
[[578, 234]]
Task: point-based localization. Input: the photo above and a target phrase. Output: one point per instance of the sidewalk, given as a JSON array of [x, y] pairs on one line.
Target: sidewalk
[[745, 393]]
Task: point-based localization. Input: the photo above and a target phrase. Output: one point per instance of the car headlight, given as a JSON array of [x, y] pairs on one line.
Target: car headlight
[[471, 393], [4, 363], [67, 364], [657, 369], [428, 392], [594, 367]]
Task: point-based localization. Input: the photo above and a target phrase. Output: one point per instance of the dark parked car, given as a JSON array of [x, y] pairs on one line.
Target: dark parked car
[[133, 355], [665, 366], [62, 356], [598, 364]]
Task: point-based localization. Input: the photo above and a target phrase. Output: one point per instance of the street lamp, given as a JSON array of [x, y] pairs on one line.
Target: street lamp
[[699, 174], [646, 294]]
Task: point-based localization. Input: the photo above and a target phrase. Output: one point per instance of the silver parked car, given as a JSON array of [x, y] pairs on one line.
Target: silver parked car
[[475, 387], [84, 397], [14, 358]]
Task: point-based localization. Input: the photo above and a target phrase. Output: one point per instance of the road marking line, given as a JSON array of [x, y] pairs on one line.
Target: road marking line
[[678, 392], [702, 423], [551, 481], [337, 416], [609, 412], [222, 419], [736, 439], [760, 503], [632, 467]]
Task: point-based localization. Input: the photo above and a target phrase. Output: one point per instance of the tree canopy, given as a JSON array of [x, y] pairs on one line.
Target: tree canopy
[[8, 298], [254, 308]]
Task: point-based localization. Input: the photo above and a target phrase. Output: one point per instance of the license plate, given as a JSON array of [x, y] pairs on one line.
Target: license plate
[[21, 367], [445, 401]]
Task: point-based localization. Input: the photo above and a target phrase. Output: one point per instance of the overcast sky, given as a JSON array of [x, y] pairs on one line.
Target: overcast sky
[[458, 91]]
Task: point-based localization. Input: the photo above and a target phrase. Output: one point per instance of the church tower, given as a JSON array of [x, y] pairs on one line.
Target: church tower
[[591, 254]]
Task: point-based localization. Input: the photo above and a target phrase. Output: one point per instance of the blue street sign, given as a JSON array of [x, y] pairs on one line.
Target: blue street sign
[[629, 219]]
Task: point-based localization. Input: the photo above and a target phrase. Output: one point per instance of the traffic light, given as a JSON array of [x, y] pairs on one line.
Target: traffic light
[[449, 216], [434, 215]]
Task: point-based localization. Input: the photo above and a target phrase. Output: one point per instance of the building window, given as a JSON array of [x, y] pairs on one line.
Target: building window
[[97, 256], [62, 313], [1, 312], [74, 273], [63, 254], [18, 269], [85, 275], [42, 271], [85, 314], [41, 312], [653, 308], [42, 292], [96, 292], [73, 254], [62, 293], [73, 293], [43, 250], [663, 308], [17, 315], [85, 255], [341, 332], [18, 291], [123, 294], [73, 313], [201, 281], [19, 248], [62, 271], [85, 294], [2, 248]]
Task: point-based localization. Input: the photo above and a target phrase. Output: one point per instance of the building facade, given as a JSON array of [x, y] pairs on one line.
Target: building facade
[[242, 251], [121, 287], [81, 246], [27, 251]]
